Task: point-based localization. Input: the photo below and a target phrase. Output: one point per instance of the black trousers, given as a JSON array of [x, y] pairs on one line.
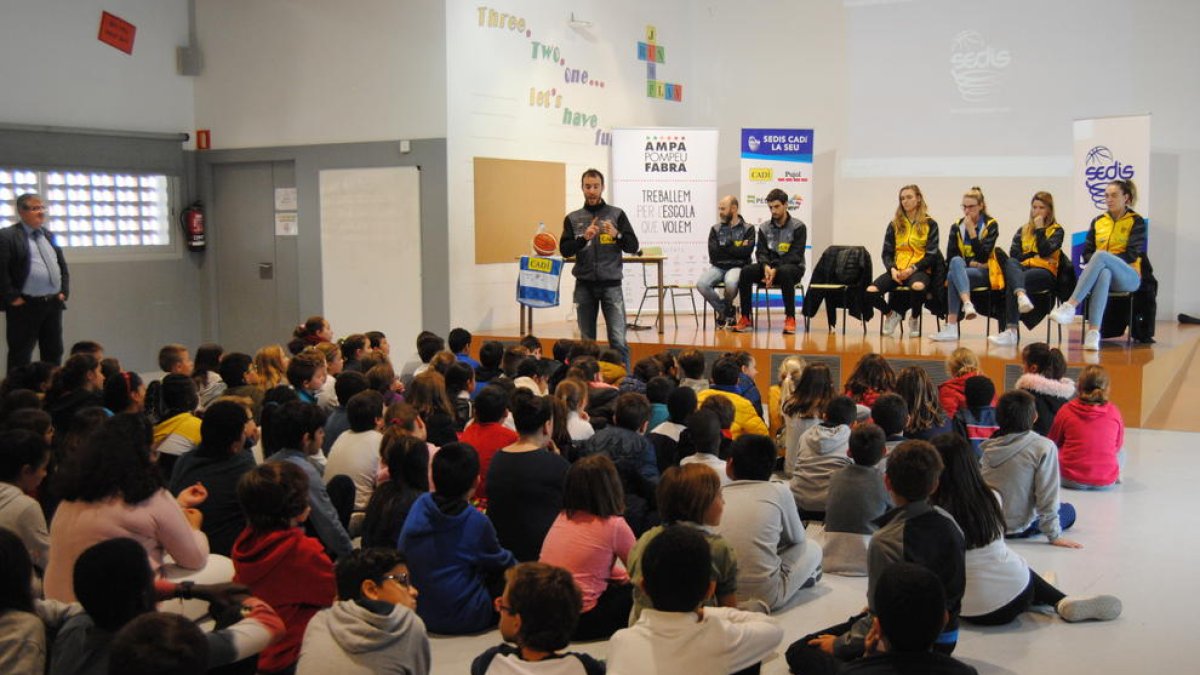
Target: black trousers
[[1037, 592], [610, 614], [786, 278], [886, 284], [37, 322]]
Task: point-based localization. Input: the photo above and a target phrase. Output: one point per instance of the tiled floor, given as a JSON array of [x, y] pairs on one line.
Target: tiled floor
[[1134, 548]]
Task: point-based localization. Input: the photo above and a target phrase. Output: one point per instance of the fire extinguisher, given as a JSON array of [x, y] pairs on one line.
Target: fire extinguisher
[[192, 220]]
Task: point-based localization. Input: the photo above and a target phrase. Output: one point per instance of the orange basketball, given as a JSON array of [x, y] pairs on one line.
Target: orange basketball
[[545, 243]]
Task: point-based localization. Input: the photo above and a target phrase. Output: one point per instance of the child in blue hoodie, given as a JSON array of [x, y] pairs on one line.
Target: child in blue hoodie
[[453, 554]]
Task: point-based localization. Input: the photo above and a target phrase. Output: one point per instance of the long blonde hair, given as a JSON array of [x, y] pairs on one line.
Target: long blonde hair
[[271, 365], [900, 220], [789, 374], [962, 361], [1047, 199]]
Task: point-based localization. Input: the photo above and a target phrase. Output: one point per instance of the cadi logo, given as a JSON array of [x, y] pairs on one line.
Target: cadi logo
[[976, 66], [1100, 169], [761, 175]]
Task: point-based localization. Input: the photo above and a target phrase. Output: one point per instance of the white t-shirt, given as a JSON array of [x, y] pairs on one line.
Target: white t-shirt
[[726, 640], [356, 454]]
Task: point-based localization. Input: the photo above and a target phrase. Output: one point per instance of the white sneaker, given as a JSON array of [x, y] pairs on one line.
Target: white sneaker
[[1064, 314], [947, 334], [890, 323], [1024, 304], [1089, 608], [1006, 339], [969, 312], [1091, 341], [914, 325]]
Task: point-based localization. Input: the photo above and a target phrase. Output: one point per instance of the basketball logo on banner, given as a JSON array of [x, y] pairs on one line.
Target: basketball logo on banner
[[1100, 169]]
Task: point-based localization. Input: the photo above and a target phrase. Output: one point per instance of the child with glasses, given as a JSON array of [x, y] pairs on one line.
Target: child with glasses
[[373, 627]]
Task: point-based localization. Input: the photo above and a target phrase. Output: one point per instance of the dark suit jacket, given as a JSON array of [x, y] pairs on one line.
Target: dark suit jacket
[[14, 263]]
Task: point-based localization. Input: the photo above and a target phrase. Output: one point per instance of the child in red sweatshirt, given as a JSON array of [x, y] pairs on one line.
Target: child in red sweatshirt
[[280, 563], [1090, 435]]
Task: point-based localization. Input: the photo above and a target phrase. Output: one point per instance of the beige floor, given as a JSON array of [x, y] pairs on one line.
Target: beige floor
[[1138, 546]]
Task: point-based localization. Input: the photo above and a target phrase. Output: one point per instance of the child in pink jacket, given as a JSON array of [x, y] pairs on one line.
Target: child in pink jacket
[[1090, 435]]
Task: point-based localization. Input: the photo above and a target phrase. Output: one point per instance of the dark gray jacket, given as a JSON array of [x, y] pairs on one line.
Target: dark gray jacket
[[782, 245], [731, 245], [14, 263], [598, 260]]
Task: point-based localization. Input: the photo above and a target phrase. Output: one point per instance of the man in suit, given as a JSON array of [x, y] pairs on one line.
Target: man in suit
[[34, 283]]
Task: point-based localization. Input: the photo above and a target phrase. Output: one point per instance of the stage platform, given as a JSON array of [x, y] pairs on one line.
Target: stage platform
[[1146, 378]]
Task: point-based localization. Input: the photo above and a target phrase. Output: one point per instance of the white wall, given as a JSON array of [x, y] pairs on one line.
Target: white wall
[[773, 63], [299, 72], [54, 72], [488, 115], [874, 81]]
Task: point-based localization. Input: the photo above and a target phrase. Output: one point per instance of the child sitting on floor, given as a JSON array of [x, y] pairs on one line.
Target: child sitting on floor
[[273, 553], [910, 613], [538, 613], [452, 550], [857, 498], [821, 454], [680, 634], [1090, 435], [373, 627], [690, 495], [760, 522], [961, 365], [1023, 467], [976, 421], [916, 532]]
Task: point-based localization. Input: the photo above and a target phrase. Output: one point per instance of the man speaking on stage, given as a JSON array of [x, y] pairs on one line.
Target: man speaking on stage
[[596, 236]]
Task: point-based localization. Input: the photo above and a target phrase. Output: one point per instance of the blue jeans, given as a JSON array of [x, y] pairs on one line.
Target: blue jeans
[[961, 279], [1017, 277], [707, 282], [611, 300], [1066, 518], [1105, 272]]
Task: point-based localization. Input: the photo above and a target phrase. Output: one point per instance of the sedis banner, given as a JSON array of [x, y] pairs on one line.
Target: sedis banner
[[1107, 149], [778, 158], [665, 179]]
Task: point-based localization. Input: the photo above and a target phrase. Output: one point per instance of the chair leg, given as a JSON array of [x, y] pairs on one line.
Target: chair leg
[[1129, 338], [692, 298], [674, 309], [846, 310], [638, 315], [767, 292]]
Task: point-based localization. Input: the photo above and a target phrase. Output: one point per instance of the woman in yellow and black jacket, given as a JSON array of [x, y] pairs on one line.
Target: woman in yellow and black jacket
[[1116, 242], [968, 247], [909, 249], [1033, 263]]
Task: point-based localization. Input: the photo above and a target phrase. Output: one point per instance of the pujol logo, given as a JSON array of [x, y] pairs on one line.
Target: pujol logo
[[1100, 169], [976, 66], [761, 175]]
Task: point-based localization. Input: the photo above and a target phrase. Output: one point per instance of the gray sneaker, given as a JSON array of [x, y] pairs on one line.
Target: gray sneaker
[[1064, 314], [947, 334], [1007, 338], [1089, 608], [890, 323]]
